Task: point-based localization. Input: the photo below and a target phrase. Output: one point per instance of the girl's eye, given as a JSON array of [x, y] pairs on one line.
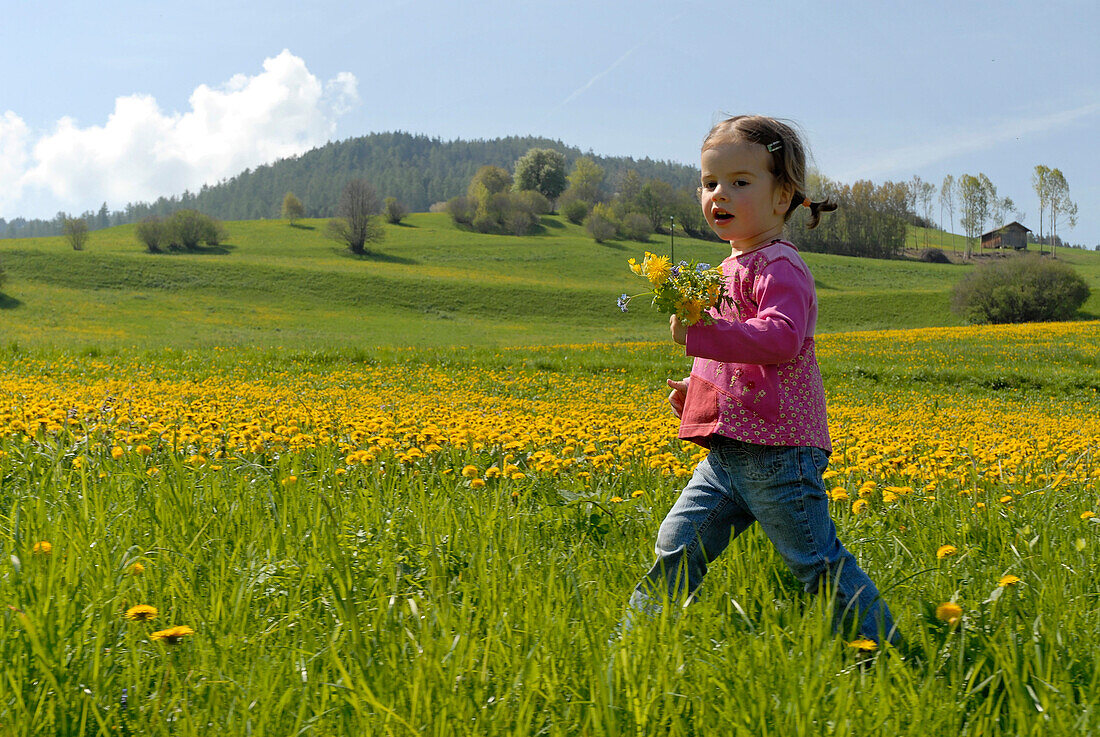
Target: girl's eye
[[740, 183], [710, 185]]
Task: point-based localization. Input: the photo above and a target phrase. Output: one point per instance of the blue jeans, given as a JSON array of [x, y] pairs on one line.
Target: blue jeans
[[781, 488]]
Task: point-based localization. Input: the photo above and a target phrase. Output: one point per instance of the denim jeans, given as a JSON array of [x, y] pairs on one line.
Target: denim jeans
[[781, 488]]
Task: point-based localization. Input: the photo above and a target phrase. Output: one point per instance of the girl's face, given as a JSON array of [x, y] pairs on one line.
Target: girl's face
[[741, 201]]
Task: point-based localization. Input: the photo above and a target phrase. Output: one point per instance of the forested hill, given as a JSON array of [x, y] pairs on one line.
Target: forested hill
[[415, 169]]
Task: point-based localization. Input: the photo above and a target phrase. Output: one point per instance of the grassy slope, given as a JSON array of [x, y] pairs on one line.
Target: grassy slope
[[429, 284]]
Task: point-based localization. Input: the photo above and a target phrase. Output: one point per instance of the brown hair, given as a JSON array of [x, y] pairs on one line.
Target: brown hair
[[788, 156]]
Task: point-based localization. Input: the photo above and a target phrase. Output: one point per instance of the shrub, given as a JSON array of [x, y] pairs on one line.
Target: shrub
[[76, 231], [635, 227], [520, 222], [532, 201], [601, 224], [1020, 289], [438, 207], [575, 211], [934, 256], [356, 222], [395, 211], [188, 228], [461, 210], [153, 234]]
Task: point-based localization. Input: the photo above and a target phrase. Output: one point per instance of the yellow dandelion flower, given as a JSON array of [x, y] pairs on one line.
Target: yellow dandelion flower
[[946, 551], [657, 269], [635, 266], [469, 471], [42, 547], [1088, 515], [949, 612], [636, 494], [616, 499], [858, 506], [172, 635], [1008, 580], [477, 483], [117, 452], [517, 475], [838, 494], [141, 613], [137, 569], [290, 481], [864, 644], [1005, 499], [144, 450]]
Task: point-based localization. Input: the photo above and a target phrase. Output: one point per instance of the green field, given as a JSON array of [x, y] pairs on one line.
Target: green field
[[429, 283], [410, 495]]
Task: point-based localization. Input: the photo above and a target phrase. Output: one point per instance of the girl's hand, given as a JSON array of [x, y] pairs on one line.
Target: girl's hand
[[678, 394], [678, 329]]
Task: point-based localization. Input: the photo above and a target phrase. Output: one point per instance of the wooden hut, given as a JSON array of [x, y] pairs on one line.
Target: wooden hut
[[1012, 235]]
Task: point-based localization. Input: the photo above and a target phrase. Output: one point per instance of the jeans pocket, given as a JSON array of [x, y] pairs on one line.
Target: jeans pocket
[[756, 462]]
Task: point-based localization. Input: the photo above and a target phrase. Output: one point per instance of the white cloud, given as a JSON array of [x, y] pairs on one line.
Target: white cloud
[[141, 152]]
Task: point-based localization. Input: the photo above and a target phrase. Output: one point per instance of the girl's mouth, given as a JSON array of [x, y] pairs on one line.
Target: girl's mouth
[[720, 216]]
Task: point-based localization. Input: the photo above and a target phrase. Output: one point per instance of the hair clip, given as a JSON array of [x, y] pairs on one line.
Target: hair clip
[[774, 146], [806, 202]]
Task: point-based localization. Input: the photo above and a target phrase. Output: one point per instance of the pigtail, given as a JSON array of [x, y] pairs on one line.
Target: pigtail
[[816, 208]]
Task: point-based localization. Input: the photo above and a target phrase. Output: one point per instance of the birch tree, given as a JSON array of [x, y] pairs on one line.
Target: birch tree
[[947, 200]]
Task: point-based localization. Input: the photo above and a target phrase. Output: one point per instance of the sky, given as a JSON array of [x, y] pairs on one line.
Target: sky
[[126, 101]]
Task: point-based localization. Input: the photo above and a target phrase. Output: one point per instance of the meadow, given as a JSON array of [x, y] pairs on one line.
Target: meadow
[[427, 284], [411, 541], [272, 490]]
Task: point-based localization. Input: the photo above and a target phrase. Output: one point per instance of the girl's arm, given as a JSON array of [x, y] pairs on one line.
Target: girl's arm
[[784, 319]]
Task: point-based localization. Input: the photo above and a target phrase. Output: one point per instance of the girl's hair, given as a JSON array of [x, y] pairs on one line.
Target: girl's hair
[[788, 156]]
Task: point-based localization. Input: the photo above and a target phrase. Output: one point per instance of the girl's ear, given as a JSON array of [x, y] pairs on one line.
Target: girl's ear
[[784, 193]]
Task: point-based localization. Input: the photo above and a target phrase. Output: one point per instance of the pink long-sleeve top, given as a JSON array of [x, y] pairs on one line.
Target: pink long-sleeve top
[[755, 376]]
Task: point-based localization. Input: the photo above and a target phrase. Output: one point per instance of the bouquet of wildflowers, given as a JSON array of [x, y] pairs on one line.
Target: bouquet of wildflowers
[[686, 289]]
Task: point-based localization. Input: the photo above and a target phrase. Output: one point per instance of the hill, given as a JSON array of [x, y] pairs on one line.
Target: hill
[[429, 283], [416, 169]]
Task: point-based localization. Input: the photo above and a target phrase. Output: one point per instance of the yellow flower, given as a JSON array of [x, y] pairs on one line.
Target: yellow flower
[[117, 452], [838, 494], [864, 644], [858, 506], [477, 483], [656, 268], [1088, 515], [42, 547], [141, 613], [516, 476], [144, 450], [469, 471], [616, 499], [636, 494], [137, 569], [691, 310], [172, 635], [949, 612], [1008, 580], [290, 481], [635, 267], [946, 551]]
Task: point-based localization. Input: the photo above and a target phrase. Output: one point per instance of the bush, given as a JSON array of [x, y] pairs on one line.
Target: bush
[[395, 211], [1020, 289], [635, 227], [188, 228], [934, 256], [575, 211], [153, 234], [601, 224], [461, 210], [533, 202], [76, 231]]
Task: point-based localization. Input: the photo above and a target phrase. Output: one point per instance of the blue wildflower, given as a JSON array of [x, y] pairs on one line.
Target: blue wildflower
[[623, 301], [701, 267]]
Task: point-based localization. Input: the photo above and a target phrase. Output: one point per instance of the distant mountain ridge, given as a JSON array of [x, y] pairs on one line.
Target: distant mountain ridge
[[416, 169]]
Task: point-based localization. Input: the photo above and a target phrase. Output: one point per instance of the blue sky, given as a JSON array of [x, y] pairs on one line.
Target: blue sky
[[129, 100]]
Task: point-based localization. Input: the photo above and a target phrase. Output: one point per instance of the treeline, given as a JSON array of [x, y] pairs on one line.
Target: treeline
[[417, 170]]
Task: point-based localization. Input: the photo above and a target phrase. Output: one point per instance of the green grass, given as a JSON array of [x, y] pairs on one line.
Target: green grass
[[429, 283], [396, 600]]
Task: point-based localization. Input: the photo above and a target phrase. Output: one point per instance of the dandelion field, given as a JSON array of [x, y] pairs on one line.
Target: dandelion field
[[406, 542]]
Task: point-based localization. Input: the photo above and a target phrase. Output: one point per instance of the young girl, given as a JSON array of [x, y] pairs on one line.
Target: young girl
[[755, 396]]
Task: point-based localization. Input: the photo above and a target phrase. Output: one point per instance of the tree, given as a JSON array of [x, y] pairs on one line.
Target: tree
[[1040, 182], [656, 200], [75, 231], [488, 181], [601, 223], [543, 170], [1060, 204], [395, 211], [974, 205], [947, 200], [356, 222], [585, 180], [292, 207]]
